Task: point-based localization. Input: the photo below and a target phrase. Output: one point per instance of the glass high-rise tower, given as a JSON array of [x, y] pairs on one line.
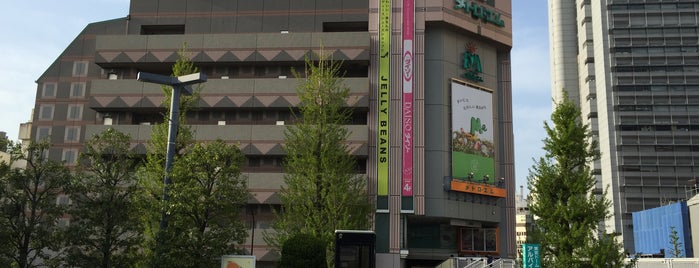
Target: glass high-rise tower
[[633, 66]]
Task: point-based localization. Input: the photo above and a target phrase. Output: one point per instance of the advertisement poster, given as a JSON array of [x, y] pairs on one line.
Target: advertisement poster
[[237, 261], [473, 150]]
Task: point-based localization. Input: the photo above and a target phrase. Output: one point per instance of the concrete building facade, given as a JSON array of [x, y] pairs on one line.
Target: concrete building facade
[[633, 67], [248, 49]]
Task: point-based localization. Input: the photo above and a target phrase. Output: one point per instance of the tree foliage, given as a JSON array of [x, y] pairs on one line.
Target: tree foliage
[[104, 230], [566, 211], [322, 191], [675, 244], [28, 199], [303, 250], [151, 174], [205, 198]]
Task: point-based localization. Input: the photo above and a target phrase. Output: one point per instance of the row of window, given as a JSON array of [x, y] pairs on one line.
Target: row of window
[[658, 148], [253, 163], [662, 138], [657, 88], [655, 41], [674, 119], [71, 135], [77, 90], [676, 68], [652, 160], [654, 50], [655, 79], [259, 70], [74, 112], [668, 171], [659, 99], [688, 31], [659, 128], [657, 108], [638, 204], [217, 117], [636, 60], [619, 5], [654, 19]]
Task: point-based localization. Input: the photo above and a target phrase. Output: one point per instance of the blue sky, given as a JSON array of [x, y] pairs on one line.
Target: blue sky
[[36, 32]]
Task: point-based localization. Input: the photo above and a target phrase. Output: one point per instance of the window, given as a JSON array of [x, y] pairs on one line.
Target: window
[[46, 112], [63, 222], [72, 134], [80, 68], [162, 29], [42, 133], [77, 90], [63, 200], [75, 112], [70, 156], [49, 90]]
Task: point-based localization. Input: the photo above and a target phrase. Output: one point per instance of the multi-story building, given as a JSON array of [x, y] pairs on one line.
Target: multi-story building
[[523, 222], [633, 66], [411, 71]]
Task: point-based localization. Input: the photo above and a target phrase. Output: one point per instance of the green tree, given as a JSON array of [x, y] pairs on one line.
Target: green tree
[[29, 206], [205, 199], [4, 144], [607, 252], [322, 191], [153, 171], [566, 211], [303, 250], [105, 230], [5, 248], [676, 246]]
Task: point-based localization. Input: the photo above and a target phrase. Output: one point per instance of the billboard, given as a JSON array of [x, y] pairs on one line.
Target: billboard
[[473, 151]]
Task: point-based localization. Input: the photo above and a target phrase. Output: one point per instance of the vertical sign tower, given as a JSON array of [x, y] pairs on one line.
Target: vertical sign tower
[[382, 140], [407, 107]]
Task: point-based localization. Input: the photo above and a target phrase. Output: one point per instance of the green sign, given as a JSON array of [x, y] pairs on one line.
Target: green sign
[[383, 98], [472, 64], [531, 256], [480, 12]]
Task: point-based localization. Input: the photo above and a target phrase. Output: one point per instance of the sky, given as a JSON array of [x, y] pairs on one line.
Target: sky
[[36, 32]]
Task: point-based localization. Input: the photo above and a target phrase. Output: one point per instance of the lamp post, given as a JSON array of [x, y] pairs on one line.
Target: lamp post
[[180, 85]]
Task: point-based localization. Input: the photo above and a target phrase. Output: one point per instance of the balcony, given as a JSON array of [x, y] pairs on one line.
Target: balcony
[[253, 139], [120, 50], [239, 93]]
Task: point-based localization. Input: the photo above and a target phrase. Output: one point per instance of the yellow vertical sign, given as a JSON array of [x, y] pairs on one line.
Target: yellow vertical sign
[[383, 95]]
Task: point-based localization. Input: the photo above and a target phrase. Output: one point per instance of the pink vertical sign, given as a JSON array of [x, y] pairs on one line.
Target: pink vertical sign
[[407, 108]]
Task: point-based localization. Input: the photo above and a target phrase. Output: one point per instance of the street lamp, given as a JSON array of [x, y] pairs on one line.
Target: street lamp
[[180, 85]]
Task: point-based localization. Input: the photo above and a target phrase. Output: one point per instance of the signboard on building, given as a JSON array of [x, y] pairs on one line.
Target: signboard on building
[[473, 151], [383, 100], [407, 140], [480, 12], [531, 257], [477, 188], [472, 64]]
